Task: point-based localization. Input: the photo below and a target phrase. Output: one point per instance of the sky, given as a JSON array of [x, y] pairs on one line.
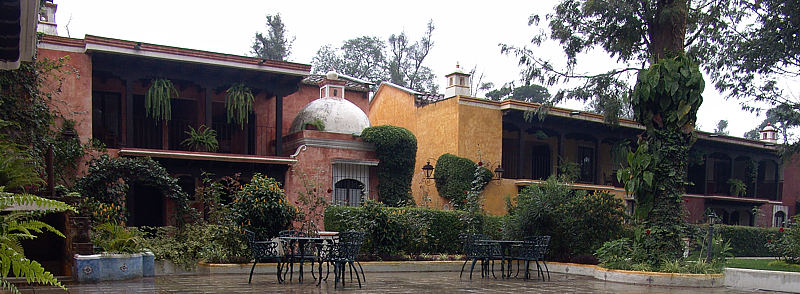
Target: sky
[[466, 32]]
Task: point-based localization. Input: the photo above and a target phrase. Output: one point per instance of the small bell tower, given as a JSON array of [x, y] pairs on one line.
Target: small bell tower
[[768, 135], [332, 86], [458, 83]]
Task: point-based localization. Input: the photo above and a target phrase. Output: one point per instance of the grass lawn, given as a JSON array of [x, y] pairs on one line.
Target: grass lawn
[[763, 264]]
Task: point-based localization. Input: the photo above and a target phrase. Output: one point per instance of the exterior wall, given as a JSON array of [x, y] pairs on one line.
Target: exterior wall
[[317, 165], [74, 101], [791, 184]]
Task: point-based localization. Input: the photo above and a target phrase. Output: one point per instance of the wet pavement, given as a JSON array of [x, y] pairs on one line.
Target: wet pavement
[[397, 282]]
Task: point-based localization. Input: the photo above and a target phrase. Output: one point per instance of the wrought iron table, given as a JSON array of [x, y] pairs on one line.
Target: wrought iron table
[[504, 254]]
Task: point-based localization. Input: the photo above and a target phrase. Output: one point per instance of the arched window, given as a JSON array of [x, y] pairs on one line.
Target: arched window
[[348, 192], [780, 218]]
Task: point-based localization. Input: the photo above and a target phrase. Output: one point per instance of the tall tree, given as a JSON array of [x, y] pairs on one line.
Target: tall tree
[[362, 57], [276, 44], [722, 126], [528, 93], [370, 58], [405, 61], [665, 98]]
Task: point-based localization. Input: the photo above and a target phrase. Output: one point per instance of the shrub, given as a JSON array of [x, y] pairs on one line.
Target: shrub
[[187, 245], [261, 206], [578, 222], [787, 247], [114, 238], [396, 148], [745, 240], [454, 176], [395, 231]]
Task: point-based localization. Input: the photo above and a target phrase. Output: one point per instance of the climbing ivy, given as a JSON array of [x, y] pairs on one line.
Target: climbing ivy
[[454, 177], [666, 99], [109, 178], [396, 149]]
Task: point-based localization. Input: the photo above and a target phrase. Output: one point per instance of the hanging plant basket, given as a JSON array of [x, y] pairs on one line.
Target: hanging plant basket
[[157, 101], [239, 103]]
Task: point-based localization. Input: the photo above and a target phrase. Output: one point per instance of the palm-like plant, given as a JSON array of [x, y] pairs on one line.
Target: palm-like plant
[[201, 139], [20, 224]]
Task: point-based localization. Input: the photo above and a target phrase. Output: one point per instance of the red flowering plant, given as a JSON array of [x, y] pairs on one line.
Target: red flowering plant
[[786, 244]]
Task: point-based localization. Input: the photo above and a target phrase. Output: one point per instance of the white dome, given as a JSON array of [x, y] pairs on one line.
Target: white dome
[[337, 116], [769, 128]]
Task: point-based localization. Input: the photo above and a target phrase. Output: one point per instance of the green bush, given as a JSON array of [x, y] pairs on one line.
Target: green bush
[[745, 240], [396, 231], [114, 238], [787, 246], [578, 222], [261, 206], [187, 245], [396, 148], [454, 176]]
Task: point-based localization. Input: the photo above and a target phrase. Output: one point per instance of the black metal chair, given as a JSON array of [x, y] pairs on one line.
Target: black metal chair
[[296, 254], [342, 254], [264, 251], [475, 251], [533, 249]]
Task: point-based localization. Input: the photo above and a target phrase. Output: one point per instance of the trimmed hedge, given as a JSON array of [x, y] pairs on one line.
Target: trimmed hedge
[[745, 241], [394, 231], [396, 148], [454, 176]]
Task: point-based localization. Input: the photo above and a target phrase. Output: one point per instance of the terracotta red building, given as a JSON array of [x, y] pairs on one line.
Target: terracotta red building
[[106, 100]]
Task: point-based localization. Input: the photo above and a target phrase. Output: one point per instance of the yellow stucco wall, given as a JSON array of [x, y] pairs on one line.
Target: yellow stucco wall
[[466, 127]]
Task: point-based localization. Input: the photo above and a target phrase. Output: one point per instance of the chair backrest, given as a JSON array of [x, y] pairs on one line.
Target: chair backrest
[[470, 247], [261, 249]]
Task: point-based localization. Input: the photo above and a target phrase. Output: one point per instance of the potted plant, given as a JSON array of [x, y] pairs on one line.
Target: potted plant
[[68, 129], [316, 125], [239, 103], [203, 139], [123, 256], [738, 188], [157, 101]]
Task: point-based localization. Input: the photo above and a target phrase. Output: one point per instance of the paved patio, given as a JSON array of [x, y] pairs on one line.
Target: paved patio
[[406, 282]]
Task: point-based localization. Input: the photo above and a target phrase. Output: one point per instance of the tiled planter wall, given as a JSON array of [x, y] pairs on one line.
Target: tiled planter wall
[[113, 267]]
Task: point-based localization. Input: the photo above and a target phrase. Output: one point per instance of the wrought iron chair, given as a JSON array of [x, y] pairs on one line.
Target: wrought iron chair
[[264, 251], [343, 253], [476, 251], [296, 254], [534, 249]]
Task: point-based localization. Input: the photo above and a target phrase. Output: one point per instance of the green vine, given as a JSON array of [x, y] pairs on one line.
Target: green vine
[[666, 99], [239, 103], [396, 148], [158, 100], [108, 180]]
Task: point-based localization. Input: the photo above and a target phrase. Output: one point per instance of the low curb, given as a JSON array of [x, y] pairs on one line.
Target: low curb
[[639, 278], [751, 279]]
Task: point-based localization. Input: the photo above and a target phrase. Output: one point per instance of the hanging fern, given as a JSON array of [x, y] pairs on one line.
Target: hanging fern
[[157, 102], [239, 103]]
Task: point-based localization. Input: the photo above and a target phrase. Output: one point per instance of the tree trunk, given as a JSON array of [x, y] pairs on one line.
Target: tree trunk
[[667, 30], [669, 144]]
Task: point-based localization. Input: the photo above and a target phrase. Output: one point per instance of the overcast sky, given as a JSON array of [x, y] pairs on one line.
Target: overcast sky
[[465, 32]]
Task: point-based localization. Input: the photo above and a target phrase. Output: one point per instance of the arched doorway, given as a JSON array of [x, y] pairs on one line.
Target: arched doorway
[[348, 192]]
